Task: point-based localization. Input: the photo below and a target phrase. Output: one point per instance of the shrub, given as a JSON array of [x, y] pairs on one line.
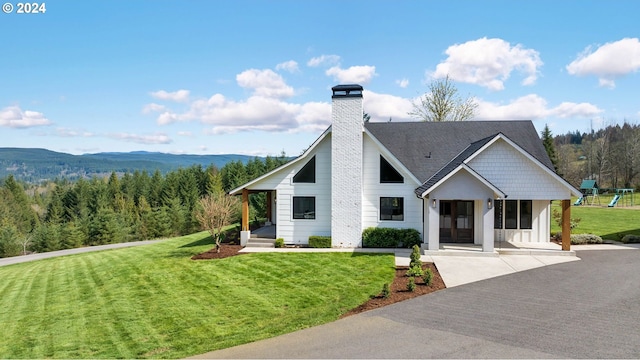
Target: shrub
[[414, 271], [631, 239], [279, 243], [578, 239], [427, 277], [411, 285], [415, 257], [557, 216], [386, 291], [380, 237], [319, 241]]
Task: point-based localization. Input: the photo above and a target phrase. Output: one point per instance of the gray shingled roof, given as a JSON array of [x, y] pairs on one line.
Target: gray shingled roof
[[425, 148], [453, 164]]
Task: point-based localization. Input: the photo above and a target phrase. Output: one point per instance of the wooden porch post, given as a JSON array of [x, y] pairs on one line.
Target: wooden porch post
[[566, 225], [268, 206], [245, 210]]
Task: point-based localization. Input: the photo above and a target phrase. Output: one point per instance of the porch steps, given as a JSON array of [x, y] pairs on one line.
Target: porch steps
[[257, 242]]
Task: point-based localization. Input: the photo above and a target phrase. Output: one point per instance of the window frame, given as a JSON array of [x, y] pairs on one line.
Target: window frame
[[507, 213], [296, 201], [391, 170], [527, 216], [309, 166], [383, 208]]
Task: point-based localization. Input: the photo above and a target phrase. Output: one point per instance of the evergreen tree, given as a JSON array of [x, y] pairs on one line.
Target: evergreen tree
[[547, 141]]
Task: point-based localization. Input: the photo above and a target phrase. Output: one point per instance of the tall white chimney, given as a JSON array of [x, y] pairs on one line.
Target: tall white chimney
[[346, 166]]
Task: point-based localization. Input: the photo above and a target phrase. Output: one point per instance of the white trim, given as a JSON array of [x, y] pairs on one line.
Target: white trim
[[238, 190], [466, 167]]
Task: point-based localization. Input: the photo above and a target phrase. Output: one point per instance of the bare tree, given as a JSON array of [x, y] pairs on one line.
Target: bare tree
[[442, 103], [216, 211]]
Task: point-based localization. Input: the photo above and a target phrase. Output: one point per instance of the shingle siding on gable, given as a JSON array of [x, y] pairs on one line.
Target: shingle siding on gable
[[516, 175]]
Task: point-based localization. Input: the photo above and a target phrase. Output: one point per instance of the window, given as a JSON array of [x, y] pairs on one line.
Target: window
[[307, 174], [392, 208], [497, 214], [511, 214], [526, 214], [389, 175], [304, 207]]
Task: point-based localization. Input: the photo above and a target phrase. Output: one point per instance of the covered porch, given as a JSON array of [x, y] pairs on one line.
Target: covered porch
[[269, 230]]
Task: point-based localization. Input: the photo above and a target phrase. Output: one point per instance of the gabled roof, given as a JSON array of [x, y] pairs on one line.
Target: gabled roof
[[425, 148], [304, 155], [588, 184], [453, 165]]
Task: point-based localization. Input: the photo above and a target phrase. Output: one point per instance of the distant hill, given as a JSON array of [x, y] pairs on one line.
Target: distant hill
[[34, 165]]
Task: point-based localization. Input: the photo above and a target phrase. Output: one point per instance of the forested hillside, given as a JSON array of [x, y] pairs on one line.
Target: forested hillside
[[610, 155], [138, 205], [36, 165]]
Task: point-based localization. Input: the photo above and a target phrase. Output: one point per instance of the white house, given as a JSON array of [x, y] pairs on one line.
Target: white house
[[468, 182]]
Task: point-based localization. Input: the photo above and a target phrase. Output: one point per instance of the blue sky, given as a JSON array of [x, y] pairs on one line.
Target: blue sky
[[254, 77]]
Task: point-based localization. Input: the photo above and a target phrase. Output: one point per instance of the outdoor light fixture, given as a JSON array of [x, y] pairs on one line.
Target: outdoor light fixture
[[433, 203], [489, 203]]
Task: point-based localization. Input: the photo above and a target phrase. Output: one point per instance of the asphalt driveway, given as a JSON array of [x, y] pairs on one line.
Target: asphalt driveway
[[579, 309]]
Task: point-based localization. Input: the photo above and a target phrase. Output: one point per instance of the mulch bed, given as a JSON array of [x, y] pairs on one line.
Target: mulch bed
[[398, 288]]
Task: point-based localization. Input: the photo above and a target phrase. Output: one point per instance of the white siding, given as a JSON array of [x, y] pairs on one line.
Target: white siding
[[516, 175], [373, 190], [297, 231], [540, 229]]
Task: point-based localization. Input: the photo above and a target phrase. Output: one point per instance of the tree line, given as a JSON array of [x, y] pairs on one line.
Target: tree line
[[63, 214], [611, 156]]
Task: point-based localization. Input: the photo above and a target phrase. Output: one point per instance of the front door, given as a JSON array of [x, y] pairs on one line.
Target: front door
[[456, 221]]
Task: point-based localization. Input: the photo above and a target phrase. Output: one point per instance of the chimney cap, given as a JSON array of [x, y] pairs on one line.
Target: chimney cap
[[347, 90]]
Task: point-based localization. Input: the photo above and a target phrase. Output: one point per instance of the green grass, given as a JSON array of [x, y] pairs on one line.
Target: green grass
[[154, 302], [608, 223]]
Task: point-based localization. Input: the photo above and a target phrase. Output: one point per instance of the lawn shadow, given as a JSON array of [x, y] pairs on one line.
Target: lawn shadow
[[617, 236], [200, 242]]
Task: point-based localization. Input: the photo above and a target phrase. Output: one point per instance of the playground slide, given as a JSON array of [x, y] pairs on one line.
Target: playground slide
[[579, 201], [614, 201]]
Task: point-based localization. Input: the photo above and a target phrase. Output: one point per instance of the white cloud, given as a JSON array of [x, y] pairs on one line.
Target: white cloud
[[157, 138], [608, 61], [355, 74], [532, 107], [177, 96], [290, 66], [15, 117], [488, 63], [66, 132], [327, 60], [185, 133], [153, 107], [381, 107], [403, 83], [265, 83]]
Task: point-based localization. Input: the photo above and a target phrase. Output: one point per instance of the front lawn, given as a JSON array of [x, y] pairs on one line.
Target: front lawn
[[154, 302], [608, 223]]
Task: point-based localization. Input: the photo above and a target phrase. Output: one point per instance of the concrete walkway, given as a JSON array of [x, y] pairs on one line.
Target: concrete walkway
[[52, 254]]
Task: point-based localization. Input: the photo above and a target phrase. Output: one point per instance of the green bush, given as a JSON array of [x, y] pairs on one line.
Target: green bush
[[380, 237], [415, 257], [279, 243], [386, 291], [579, 239], [319, 241], [630, 239], [427, 277], [411, 285], [414, 271]]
